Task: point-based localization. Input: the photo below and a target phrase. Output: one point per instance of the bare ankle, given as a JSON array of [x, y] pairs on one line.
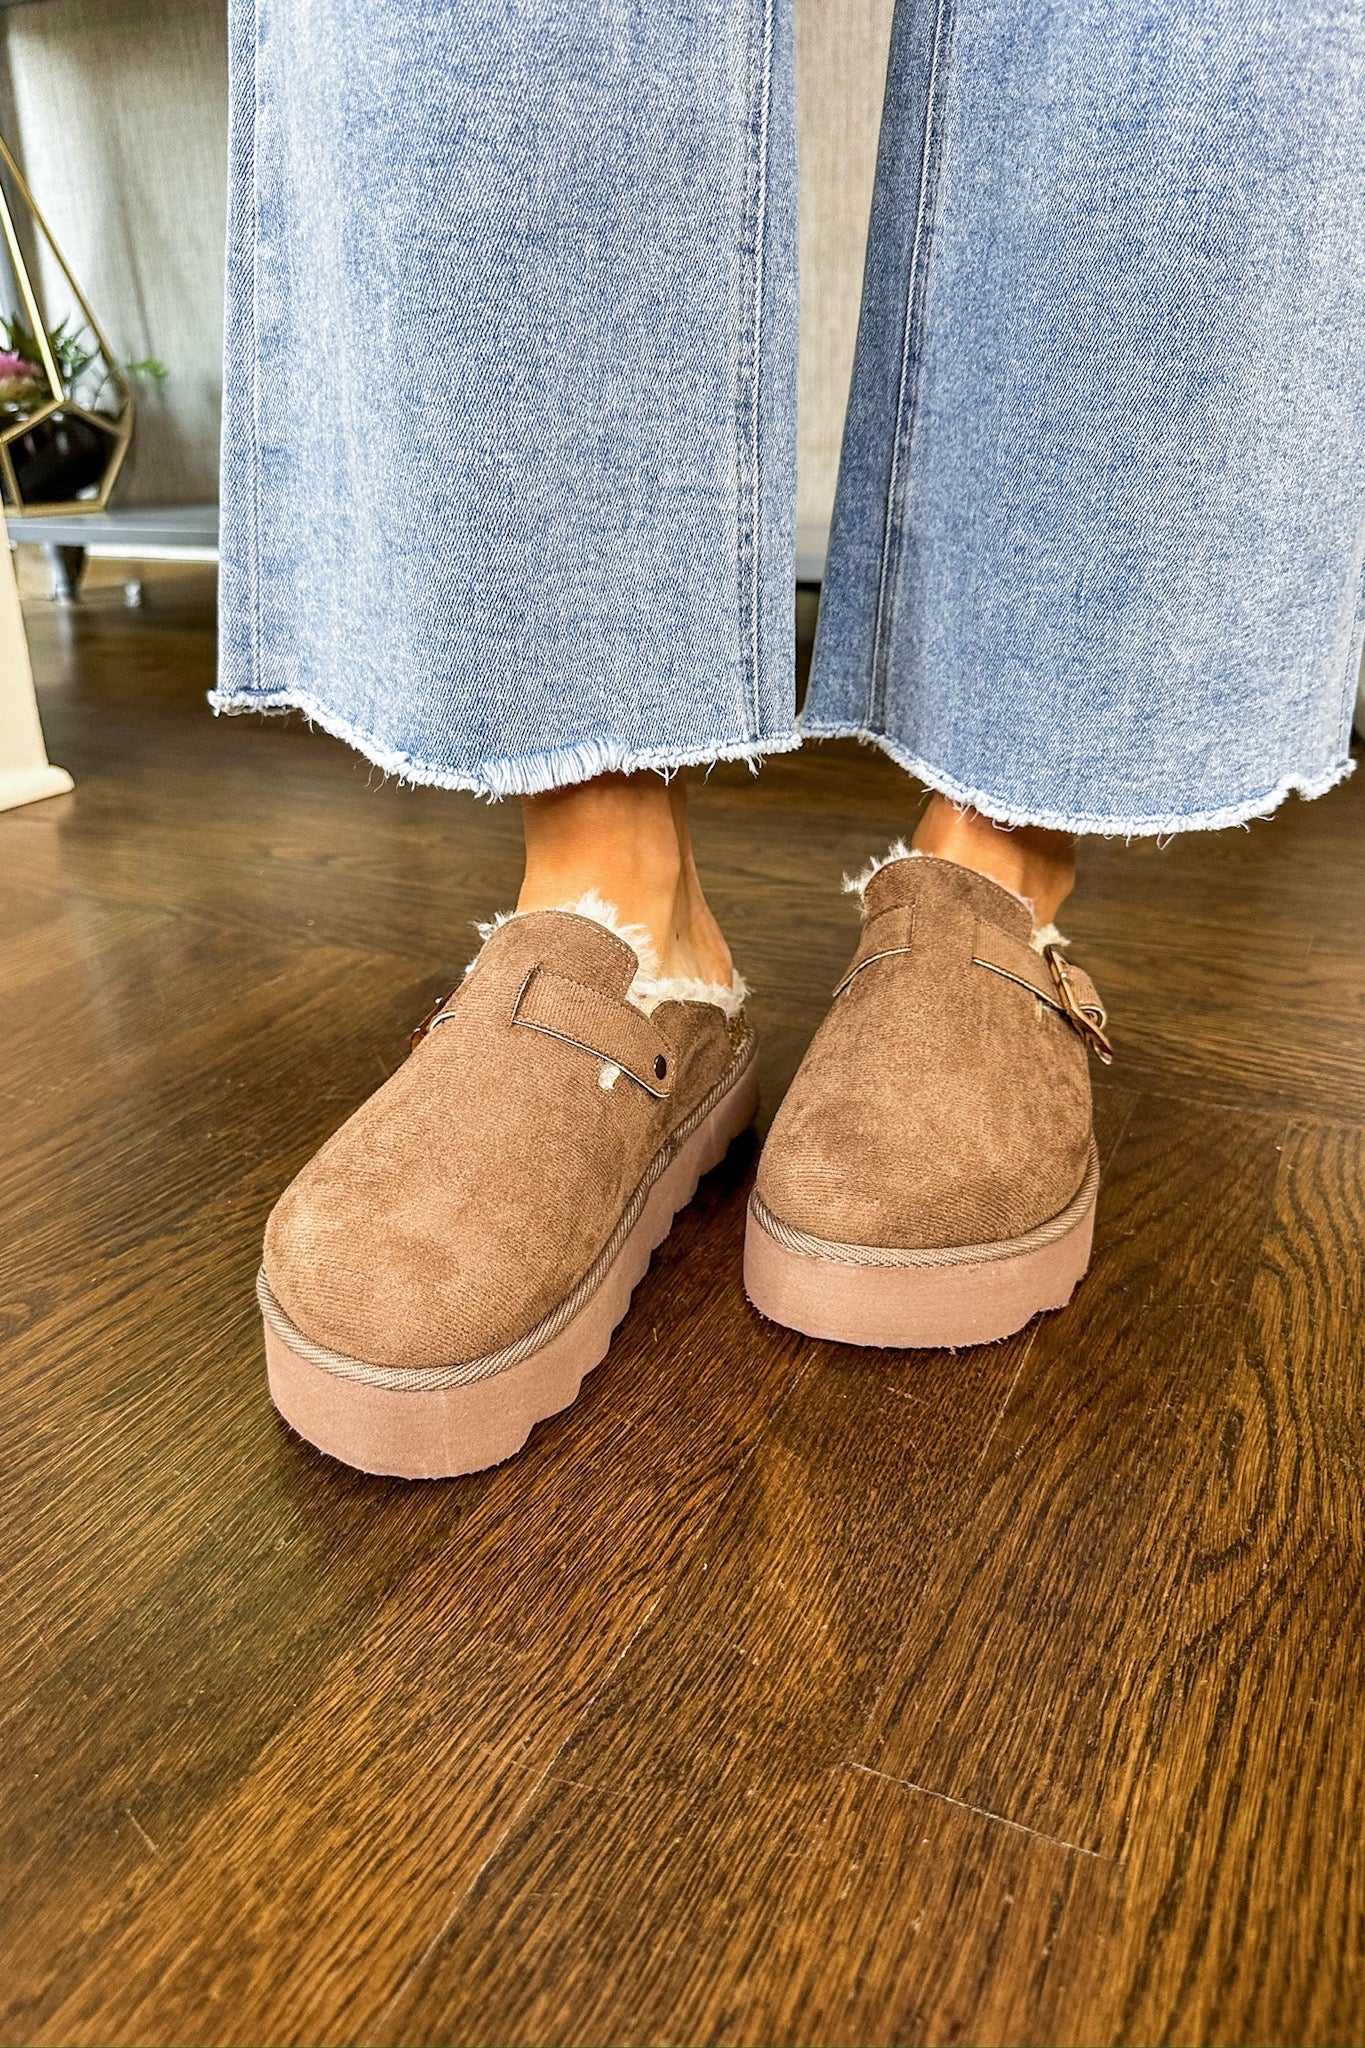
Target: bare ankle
[[626, 839], [1029, 859]]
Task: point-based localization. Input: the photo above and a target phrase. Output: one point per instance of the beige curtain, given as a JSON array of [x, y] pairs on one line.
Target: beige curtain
[[841, 48]]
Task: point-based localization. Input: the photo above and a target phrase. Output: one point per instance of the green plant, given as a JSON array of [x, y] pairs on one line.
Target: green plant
[[70, 354], [73, 354], [150, 367]]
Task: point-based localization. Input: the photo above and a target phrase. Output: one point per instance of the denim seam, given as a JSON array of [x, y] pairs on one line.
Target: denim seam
[[907, 389], [505, 775], [749, 415], [1160, 826]]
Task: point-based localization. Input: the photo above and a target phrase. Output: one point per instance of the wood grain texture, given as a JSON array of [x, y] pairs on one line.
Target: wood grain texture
[[739, 1703], [778, 1692], [1246, 1918], [1039, 1660]]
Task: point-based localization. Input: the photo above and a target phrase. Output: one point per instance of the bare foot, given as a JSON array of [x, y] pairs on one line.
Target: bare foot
[[1027, 858], [627, 838]]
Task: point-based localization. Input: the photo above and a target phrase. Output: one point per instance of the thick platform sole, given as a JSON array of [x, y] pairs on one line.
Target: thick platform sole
[[385, 1421], [870, 1294]]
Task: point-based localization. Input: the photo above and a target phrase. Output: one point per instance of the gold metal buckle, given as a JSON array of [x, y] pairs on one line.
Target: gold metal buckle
[[1087, 1018]]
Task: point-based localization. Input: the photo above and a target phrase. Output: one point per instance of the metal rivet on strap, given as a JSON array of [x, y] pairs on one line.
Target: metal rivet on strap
[[437, 1014]]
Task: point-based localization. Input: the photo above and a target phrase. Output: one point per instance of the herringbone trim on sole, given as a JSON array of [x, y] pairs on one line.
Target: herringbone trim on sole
[[944, 1295], [439, 1423]]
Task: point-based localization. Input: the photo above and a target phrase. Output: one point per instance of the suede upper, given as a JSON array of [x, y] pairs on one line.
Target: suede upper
[[468, 1196], [940, 1103]]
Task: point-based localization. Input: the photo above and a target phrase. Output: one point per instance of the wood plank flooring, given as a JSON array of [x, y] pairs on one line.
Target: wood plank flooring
[[777, 1693]]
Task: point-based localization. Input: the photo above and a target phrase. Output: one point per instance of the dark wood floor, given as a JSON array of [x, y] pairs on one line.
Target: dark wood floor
[[778, 1692]]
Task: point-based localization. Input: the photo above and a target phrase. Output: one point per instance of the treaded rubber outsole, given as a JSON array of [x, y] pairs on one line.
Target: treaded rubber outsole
[[442, 1432], [907, 1300]]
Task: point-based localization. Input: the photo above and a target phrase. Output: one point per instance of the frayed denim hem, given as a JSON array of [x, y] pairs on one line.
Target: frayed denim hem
[[523, 775], [1002, 813]]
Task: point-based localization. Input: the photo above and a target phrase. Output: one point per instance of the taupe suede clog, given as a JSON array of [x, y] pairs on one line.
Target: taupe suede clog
[[443, 1273], [931, 1177]]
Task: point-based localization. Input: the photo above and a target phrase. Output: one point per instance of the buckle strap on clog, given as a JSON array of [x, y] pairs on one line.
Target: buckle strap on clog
[[1053, 978], [611, 1030], [888, 933]]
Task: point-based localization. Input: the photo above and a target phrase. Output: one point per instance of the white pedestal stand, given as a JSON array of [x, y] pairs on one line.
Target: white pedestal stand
[[25, 771]]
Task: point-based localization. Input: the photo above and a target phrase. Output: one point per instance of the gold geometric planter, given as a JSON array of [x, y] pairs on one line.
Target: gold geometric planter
[[67, 418]]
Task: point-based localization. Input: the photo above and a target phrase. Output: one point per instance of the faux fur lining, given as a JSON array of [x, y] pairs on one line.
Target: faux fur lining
[[856, 885], [649, 988]]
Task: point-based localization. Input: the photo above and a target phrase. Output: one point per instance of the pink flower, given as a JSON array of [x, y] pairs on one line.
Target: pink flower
[[12, 364]]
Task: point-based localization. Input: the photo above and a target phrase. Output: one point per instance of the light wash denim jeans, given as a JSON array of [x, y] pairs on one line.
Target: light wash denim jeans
[[509, 435]]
